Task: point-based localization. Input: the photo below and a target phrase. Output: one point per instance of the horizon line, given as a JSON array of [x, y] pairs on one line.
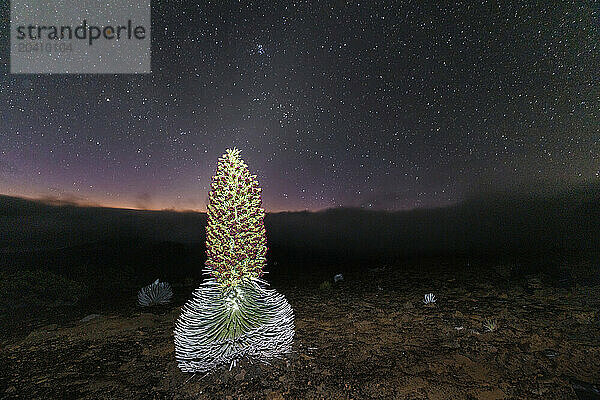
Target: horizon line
[[56, 202]]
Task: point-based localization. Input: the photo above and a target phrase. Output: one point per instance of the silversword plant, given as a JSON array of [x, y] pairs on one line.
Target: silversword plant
[[429, 299], [155, 293], [233, 315], [490, 325]]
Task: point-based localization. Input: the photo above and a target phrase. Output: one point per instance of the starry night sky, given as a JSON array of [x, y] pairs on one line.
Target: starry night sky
[[380, 104]]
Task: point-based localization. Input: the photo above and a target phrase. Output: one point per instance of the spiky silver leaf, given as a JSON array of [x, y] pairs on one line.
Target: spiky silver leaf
[[219, 327], [155, 293]]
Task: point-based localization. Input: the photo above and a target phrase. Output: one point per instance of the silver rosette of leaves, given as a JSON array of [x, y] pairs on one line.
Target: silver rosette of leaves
[[221, 326], [155, 293]]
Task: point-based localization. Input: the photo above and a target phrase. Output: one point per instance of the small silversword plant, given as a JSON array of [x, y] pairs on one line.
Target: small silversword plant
[[490, 325], [429, 299], [155, 293]]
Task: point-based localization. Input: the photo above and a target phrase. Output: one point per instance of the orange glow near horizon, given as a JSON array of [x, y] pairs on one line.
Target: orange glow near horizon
[[112, 203]]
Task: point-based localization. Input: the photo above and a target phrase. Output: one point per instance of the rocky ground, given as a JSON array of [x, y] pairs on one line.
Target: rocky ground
[[369, 336]]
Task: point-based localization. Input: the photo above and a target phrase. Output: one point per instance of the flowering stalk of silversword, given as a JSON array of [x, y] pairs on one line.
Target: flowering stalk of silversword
[[232, 315]]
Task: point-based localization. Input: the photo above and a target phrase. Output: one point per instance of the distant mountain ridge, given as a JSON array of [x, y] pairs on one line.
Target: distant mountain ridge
[[499, 222]]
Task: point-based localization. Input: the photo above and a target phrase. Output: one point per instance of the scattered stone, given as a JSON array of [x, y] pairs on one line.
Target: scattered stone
[[241, 375], [408, 305], [89, 317], [550, 353], [492, 394], [585, 391], [584, 317], [275, 396]]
